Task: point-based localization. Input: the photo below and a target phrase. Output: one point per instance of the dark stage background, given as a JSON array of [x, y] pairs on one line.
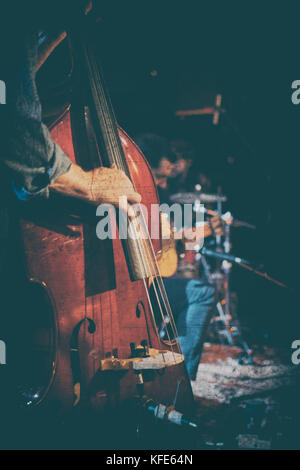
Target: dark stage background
[[162, 56], [248, 51]]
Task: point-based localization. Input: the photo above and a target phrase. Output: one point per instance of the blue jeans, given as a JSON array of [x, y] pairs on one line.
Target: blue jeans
[[192, 302]]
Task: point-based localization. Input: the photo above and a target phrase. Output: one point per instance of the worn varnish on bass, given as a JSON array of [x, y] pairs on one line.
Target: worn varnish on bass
[[96, 305]]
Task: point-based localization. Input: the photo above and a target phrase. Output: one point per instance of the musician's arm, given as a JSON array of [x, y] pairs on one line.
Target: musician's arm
[[170, 235], [190, 234], [101, 185], [33, 162], [29, 157]]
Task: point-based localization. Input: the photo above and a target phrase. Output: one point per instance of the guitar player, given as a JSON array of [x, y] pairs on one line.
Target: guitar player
[[192, 300]]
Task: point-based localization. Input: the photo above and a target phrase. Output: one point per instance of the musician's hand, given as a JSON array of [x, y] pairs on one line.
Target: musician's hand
[[193, 234], [99, 186], [217, 226], [109, 185]]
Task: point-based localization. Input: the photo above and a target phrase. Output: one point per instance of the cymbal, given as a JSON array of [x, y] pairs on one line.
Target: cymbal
[[190, 198]]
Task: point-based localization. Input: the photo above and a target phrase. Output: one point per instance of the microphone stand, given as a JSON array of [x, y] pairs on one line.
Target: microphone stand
[[225, 314], [244, 264], [225, 319], [227, 266]]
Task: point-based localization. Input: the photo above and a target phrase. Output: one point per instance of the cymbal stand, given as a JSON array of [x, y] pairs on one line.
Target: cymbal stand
[[227, 331], [221, 278], [227, 266]]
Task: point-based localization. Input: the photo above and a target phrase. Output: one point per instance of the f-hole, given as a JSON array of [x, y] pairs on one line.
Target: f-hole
[[140, 310]]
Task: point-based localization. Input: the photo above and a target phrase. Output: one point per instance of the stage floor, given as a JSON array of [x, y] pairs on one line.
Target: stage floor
[[247, 406]]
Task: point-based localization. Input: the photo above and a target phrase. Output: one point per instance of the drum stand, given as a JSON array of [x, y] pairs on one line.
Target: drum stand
[[221, 278]]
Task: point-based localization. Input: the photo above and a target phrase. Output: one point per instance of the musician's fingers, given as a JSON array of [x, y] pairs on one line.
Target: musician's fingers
[[131, 212], [134, 198], [213, 213], [123, 203]]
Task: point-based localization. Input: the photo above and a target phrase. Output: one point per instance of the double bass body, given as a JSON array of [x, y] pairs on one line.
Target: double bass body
[[87, 307]]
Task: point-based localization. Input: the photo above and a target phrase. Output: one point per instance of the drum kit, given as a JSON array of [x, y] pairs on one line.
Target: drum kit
[[225, 321], [224, 324]]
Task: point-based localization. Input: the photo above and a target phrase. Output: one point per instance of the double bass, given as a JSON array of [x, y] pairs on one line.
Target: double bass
[[96, 307]]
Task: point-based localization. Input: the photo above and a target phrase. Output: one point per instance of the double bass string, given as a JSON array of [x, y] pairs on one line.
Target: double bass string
[[95, 92], [115, 151], [150, 302], [150, 256], [110, 135], [144, 259], [162, 290]]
